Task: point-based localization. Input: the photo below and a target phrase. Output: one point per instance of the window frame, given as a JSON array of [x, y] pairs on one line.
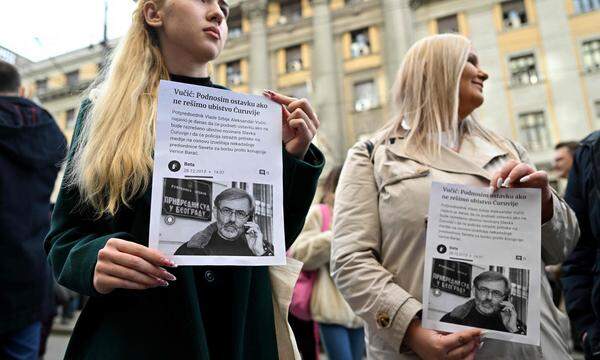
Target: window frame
[[514, 75], [543, 137]]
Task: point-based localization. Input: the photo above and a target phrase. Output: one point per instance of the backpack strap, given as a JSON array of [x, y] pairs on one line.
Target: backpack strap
[[370, 146], [326, 216]]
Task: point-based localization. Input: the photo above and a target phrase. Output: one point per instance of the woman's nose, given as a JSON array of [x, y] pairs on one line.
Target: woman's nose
[[215, 14]]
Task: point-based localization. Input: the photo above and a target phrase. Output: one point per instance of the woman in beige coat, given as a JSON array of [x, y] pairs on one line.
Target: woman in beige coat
[[383, 198], [341, 330]]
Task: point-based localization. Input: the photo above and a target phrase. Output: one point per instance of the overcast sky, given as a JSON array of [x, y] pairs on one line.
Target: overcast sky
[[60, 25]]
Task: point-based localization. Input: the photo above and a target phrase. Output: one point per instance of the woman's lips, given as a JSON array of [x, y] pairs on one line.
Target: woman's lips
[[213, 32]]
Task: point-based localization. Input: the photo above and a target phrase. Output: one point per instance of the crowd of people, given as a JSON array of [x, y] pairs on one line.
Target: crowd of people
[[362, 242]]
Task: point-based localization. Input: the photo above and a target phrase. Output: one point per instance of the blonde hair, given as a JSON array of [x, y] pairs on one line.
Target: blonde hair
[[426, 94], [112, 161]]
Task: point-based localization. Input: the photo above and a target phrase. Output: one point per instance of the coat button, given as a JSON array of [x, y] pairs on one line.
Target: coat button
[[383, 319], [209, 276]]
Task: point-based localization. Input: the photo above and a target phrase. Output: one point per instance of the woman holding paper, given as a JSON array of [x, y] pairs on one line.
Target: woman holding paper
[[140, 305], [383, 197]]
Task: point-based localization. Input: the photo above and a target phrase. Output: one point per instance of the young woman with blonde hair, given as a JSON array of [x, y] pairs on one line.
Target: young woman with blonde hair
[[383, 198], [98, 242]]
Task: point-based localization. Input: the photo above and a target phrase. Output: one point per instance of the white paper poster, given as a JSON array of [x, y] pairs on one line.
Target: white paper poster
[[483, 262], [217, 187]]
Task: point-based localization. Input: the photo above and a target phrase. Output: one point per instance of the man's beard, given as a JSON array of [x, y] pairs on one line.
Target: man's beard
[[486, 307], [229, 231]]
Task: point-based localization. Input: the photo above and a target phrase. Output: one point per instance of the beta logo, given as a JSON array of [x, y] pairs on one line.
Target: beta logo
[[174, 166], [442, 249]]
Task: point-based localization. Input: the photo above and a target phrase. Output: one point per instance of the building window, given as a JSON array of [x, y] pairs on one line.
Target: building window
[[234, 73], [70, 124], [523, 70], [41, 85], [583, 6], [298, 92], [293, 59], [591, 55], [513, 14], [360, 44], [365, 96], [534, 131], [291, 11], [72, 78], [448, 24], [234, 22]]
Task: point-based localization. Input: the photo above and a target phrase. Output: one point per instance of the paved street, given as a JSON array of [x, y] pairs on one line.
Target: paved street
[[57, 344]]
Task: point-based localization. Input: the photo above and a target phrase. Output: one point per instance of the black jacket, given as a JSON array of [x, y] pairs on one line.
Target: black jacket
[[32, 148], [581, 271]]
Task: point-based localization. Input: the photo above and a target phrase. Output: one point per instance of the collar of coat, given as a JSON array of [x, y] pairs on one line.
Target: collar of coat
[[475, 153]]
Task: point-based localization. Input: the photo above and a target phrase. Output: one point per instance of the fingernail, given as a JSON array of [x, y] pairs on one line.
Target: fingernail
[[484, 333], [506, 182], [168, 262], [524, 179], [163, 283], [268, 93], [169, 276], [481, 344], [491, 189], [499, 183]]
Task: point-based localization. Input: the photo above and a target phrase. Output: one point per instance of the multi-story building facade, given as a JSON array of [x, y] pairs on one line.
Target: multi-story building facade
[[13, 58], [543, 57]]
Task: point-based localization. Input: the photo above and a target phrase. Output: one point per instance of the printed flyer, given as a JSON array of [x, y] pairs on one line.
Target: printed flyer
[[217, 193], [482, 264]]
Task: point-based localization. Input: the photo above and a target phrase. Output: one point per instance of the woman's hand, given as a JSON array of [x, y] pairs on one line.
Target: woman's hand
[[430, 344], [299, 123], [515, 174], [127, 265]]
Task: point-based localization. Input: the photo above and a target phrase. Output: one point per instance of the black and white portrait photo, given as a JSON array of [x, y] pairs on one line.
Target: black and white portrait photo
[[220, 219], [485, 297]]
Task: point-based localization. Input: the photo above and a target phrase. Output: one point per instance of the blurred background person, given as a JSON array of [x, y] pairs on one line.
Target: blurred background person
[[563, 160], [378, 251], [580, 275], [341, 330], [32, 148]]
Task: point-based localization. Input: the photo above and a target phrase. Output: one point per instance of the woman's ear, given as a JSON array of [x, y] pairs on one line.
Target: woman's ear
[[152, 15]]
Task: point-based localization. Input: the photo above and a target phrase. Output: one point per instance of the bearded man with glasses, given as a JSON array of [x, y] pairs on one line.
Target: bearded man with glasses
[[490, 308], [234, 233]]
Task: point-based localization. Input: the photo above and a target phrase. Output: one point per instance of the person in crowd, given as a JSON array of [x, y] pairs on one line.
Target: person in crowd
[[382, 200], [234, 232], [580, 277], [32, 148], [490, 308], [563, 157], [98, 242], [341, 330]]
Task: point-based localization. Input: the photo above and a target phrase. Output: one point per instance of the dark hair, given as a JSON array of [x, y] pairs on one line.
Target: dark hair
[[10, 80], [492, 276], [571, 145], [331, 181], [234, 194]]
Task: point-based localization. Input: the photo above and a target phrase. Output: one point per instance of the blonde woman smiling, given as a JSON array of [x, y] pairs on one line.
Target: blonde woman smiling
[[98, 242], [383, 197]]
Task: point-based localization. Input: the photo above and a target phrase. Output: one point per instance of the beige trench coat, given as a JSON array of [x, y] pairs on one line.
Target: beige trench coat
[[379, 241]]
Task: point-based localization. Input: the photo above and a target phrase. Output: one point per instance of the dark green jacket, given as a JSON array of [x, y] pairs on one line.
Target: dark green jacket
[[207, 313]]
